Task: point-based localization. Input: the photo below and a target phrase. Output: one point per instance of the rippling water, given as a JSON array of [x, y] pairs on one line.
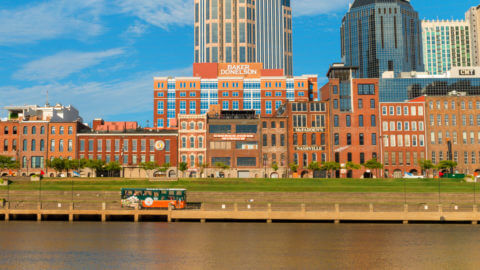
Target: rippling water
[[52, 245]]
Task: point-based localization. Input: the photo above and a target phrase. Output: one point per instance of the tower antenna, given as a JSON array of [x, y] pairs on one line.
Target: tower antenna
[[47, 104]]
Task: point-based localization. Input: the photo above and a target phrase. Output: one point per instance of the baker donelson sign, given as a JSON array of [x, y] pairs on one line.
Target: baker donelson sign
[[238, 70]]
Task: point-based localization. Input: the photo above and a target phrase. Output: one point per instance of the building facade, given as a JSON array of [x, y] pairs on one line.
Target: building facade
[[446, 44], [130, 148], [402, 137], [192, 144], [454, 119], [274, 146], [473, 17], [379, 36], [354, 127], [233, 140], [232, 86], [239, 31]]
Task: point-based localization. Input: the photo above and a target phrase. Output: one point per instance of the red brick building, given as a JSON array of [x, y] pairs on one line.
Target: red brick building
[[192, 144], [274, 144], [403, 137], [130, 148], [354, 127]]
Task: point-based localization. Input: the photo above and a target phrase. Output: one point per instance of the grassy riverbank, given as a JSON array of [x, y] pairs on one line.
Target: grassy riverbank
[[257, 185]]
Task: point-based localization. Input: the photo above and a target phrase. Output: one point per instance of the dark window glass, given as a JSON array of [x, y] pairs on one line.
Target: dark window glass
[[361, 139], [349, 139], [246, 128], [246, 161], [220, 129], [224, 160]]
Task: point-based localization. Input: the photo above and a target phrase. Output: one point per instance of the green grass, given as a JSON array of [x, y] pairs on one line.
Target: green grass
[[259, 185]]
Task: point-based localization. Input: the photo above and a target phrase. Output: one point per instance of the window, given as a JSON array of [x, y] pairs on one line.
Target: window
[[335, 103], [192, 142], [52, 146], [399, 110], [384, 110], [313, 139], [373, 121], [406, 126], [374, 138], [360, 120], [184, 142], [335, 121], [33, 145], [391, 110], [385, 125], [265, 142], [70, 130], [60, 146], [336, 139], [361, 139], [34, 130], [52, 130], [282, 124], [42, 145], [366, 89], [304, 139], [349, 139], [348, 120], [62, 131], [362, 158], [405, 110], [282, 139], [372, 103], [246, 161], [360, 103]]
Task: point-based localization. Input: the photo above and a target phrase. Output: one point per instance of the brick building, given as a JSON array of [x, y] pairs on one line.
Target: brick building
[[192, 148], [232, 87], [274, 145], [308, 137], [454, 118], [403, 137], [233, 139], [130, 148], [353, 107]]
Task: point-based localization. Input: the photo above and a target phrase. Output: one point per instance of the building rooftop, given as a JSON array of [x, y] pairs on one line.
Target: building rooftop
[[234, 115], [360, 3]]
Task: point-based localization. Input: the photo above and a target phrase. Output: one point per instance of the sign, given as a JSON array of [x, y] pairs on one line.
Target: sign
[[309, 130], [342, 148], [159, 145], [466, 72], [233, 137], [309, 148], [240, 70]]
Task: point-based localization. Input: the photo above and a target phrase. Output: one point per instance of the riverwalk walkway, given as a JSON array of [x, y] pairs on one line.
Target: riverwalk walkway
[[104, 212]]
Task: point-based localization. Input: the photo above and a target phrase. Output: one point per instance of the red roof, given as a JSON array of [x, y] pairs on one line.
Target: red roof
[[418, 99]]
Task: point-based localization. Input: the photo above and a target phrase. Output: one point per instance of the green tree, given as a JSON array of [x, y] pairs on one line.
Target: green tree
[[96, 165], [183, 166], [222, 166], [373, 164], [112, 167], [426, 165], [8, 163], [149, 166], [447, 164], [331, 167], [293, 167], [58, 164], [275, 166], [203, 167]]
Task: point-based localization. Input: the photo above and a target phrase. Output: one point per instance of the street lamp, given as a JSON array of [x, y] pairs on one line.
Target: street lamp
[[265, 166]]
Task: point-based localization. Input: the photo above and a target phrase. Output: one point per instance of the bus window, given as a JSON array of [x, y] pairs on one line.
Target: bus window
[[148, 193], [128, 192], [179, 193], [171, 193], [156, 194], [138, 193]]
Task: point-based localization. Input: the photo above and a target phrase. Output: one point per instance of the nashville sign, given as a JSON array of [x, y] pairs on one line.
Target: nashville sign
[[309, 148]]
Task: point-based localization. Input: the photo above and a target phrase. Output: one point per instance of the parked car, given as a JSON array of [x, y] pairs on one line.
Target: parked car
[[411, 176]]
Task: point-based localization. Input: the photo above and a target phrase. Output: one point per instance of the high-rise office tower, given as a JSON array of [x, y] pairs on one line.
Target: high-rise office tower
[[244, 31], [381, 35], [446, 44], [473, 17]]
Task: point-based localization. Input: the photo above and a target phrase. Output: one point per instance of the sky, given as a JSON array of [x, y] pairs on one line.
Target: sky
[[101, 55]]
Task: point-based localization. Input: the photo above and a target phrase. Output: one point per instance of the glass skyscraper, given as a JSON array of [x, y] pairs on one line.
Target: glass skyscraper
[[381, 35]]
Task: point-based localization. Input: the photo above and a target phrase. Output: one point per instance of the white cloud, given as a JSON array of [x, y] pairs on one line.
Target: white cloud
[[136, 29], [50, 19], [161, 13], [133, 94], [63, 64]]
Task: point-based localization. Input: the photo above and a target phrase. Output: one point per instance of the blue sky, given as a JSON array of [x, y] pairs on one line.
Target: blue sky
[[101, 55]]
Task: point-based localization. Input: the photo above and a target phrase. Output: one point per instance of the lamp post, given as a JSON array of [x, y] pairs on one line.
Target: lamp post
[[265, 166]]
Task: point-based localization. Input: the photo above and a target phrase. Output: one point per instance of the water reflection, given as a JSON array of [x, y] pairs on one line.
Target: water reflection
[[60, 245]]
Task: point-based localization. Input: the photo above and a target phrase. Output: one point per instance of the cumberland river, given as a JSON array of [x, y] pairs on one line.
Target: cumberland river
[[58, 245]]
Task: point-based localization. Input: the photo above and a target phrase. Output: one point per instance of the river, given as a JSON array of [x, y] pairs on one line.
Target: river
[[59, 245]]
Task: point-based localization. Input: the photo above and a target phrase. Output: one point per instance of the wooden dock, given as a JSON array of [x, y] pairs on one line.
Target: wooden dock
[[436, 215]]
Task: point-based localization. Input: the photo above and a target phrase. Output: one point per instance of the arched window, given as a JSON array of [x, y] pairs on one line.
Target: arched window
[[192, 142], [295, 158], [24, 162], [14, 130], [184, 142], [62, 130], [42, 130], [42, 145], [34, 130], [33, 145], [295, 139], [25, 130], [314, 139], [5, 131], [200, 125], [52, 130], [60, 146], [25, 145], [200, 159], [184, 125], [70, 130], [200, 142], [305, 160], [304, 139], [192, 161], [314, 157], [184, 158], [192, 125]]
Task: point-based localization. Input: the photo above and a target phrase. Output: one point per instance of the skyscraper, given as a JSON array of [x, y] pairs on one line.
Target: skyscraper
[[473, 17], [446, 44], [381, 35], [244, 31]]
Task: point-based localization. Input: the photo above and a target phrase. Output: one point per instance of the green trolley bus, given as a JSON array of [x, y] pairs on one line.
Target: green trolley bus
[[154, 198]]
